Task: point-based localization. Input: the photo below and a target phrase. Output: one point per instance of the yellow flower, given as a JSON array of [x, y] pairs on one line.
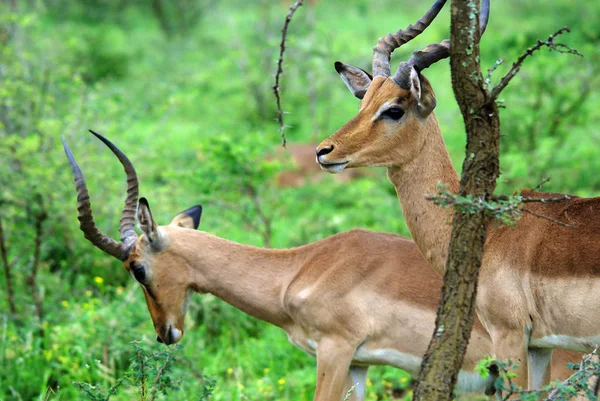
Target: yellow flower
[[386, 383], [403, 380], [266, 370], [229, 371], [119, 290], [65, 304], [369, 383], [98, 280], [281, 381], [88, 293]]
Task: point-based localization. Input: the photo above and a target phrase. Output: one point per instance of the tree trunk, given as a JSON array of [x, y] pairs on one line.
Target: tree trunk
[[480, 170]]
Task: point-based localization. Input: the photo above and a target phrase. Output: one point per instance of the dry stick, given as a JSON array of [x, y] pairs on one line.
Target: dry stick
[[40, 217], [541, 216], [9, 288], [288, 18], [559, 47], [541, 184]]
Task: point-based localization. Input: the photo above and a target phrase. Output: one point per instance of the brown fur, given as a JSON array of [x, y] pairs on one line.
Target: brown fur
[[528, 288], [301, 168], [358, 289]]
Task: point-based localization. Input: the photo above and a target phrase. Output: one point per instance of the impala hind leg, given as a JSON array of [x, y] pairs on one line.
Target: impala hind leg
[[333, 368], [539, 362], [357, 377]]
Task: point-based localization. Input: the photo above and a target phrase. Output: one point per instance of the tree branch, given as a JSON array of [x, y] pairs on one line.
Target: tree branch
[[7, 274], [541, 184], [288, 18], [559, 47], [39, 216], [575, 377]]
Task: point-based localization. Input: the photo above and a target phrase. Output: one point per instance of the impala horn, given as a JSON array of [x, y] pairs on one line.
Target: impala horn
[[119, 250], [434, 52], [382, 52]]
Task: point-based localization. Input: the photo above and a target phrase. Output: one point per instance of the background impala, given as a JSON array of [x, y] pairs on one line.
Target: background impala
[[195, 108]]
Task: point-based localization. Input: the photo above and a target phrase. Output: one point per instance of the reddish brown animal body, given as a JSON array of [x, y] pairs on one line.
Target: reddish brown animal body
[[539, 279], [354, 299]]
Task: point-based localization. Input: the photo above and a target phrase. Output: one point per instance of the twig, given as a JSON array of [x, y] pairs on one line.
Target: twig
[[559, 47], [531, 200], [586, 360], [546, 200], [539, 186], [159, 374], [7, 274], [549, 219], [288, 18], [40, 217], [488, 77], [143, 373]]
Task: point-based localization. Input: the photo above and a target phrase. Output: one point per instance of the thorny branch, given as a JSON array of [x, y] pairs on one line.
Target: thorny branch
[[541, 184], [580, 383], [541, 216], [288, 18], [584, 366], [550, 43], [505, 208]]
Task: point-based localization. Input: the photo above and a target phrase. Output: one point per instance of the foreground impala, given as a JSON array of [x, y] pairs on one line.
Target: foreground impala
[[539, 281], [352, 300]]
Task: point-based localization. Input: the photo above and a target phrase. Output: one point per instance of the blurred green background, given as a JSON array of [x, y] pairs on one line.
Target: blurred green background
[[184, 88]]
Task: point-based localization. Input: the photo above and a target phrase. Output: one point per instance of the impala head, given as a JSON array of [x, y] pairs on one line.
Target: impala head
[[396, 111], [152, 258]]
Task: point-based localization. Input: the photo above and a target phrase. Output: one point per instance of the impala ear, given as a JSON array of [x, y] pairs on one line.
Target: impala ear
[[189, 218], [146, 222], [357, 80], [421, 90]]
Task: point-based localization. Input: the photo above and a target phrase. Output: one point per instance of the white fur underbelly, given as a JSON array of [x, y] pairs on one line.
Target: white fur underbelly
[[391, 357], [581, 344], [467, 381]]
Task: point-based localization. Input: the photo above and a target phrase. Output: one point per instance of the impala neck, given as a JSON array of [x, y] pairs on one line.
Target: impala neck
[[248, 278], [428, 223]]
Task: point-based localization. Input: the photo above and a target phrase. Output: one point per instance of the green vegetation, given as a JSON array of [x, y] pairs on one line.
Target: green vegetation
[[186, 92]]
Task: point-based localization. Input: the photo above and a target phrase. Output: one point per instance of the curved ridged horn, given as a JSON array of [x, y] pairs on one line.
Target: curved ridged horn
[[434, 52], [382, 52], [119, 250]]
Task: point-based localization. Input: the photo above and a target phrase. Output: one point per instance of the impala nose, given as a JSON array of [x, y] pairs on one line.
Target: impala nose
[[171, 335], [324, 150]]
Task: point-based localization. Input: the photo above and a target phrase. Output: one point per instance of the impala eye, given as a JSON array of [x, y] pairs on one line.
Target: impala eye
[[140, 274], [395, 113]]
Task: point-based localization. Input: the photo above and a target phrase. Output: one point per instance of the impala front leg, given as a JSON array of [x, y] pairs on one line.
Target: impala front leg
[[357, 378], [333, 368], [513, 345]]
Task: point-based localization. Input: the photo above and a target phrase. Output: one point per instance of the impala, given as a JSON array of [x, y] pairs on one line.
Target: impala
[[539, 280], [301, 168], [354, 299]]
